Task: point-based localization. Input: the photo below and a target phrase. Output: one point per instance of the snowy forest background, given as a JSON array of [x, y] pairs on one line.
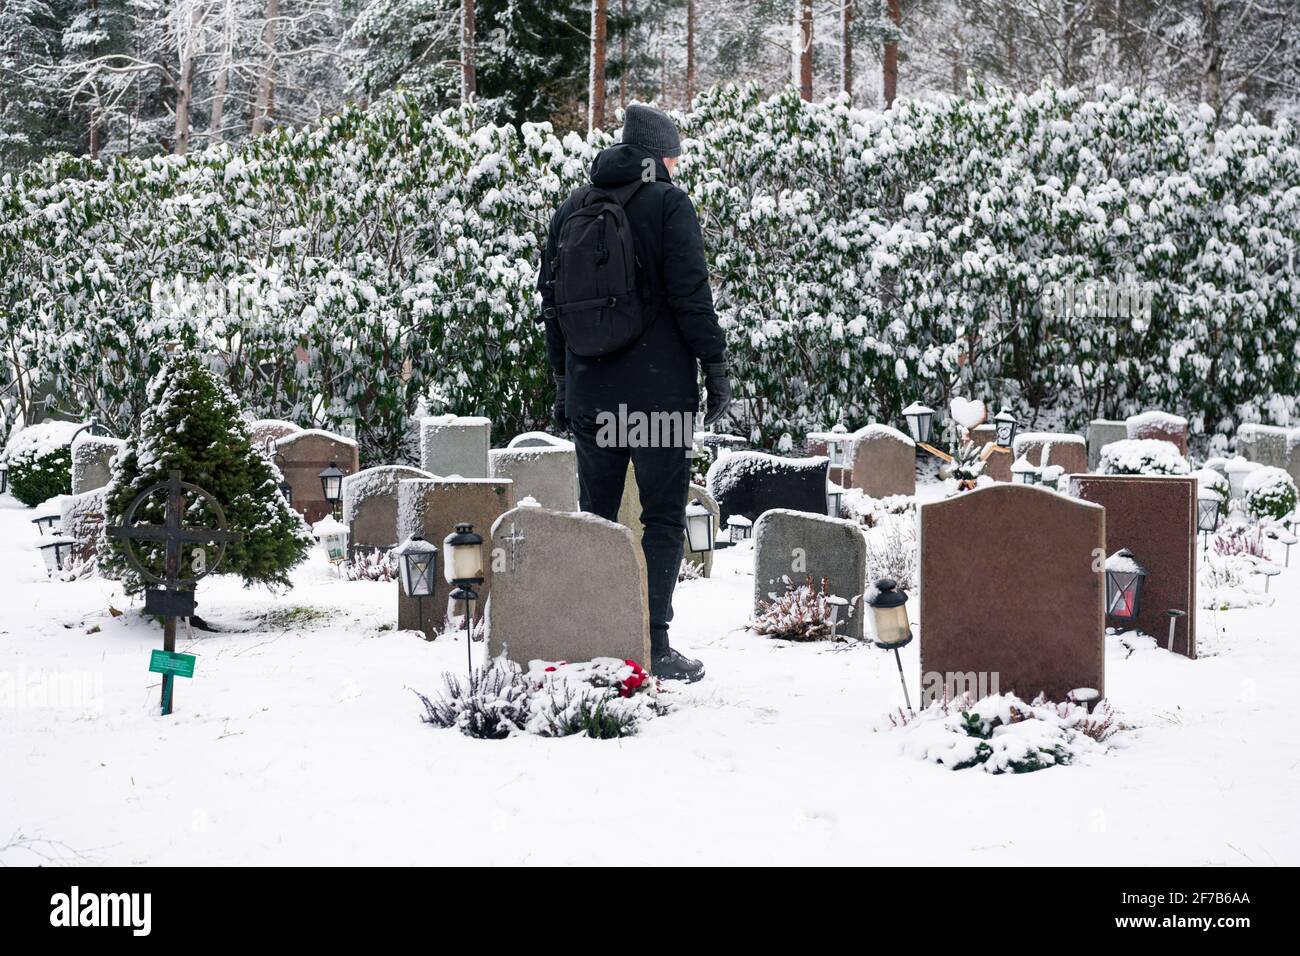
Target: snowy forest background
[[148, 76]]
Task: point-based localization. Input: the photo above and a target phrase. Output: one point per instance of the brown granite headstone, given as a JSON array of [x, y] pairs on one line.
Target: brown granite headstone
[[1161, 426], [433, 507], [302, 456], [998, 463], [1154, 516], [1012, 594], [370, 505], [272, 429], [1042, 449], [568, 587], [884, 462]]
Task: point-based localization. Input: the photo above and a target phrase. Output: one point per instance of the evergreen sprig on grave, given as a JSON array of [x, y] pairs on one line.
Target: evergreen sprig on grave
[[194, 425]]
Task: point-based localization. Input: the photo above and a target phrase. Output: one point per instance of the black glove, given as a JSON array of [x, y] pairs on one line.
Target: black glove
[[561, 418], [717, 390]]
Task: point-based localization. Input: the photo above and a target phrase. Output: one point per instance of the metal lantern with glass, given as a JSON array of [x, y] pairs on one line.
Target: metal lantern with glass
[[4, 477], [1023, 473], [920, 421], [333, 537], [331, 483], [739, 528], [417, 561], [699, 527], [47, 521], [1124, 580], [890, 628], [1208, 504], [462, 565], [57, 552], [1006, 425]]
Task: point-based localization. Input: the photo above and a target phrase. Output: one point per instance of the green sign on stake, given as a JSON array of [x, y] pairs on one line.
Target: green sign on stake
[[170, 662]]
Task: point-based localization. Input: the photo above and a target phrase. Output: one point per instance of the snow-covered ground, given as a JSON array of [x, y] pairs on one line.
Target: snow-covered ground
[[299, 741]]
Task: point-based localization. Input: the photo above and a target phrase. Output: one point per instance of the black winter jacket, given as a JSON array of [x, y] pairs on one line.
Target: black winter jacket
[[658, 371]]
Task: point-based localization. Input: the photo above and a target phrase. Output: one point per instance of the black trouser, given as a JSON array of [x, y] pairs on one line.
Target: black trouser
[[663, 478]]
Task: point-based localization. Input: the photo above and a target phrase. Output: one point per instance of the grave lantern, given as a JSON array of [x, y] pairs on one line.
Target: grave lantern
[[699, 527], [331, 483], [889, 625], [920, 419], [462, 565], [417, 560], [1022, 472], [57, 551], [48, 521], [333, 537], [1208, 503], [836, 445], [286, 489], [1006, 425], [739, 527], [4, 477], [1124, 580], [834, 499]]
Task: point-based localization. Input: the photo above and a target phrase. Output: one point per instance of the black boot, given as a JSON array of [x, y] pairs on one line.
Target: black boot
[[668, 664]]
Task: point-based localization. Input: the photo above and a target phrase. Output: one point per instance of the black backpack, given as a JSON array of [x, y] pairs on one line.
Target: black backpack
[[594, 275]]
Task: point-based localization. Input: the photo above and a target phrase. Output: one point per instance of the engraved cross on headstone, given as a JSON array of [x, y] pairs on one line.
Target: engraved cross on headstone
[[516, 540]]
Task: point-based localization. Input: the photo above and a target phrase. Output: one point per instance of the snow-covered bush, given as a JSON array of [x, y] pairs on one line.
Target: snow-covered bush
[[492, 704], [1270, 493], [802, 613], [893, 551], [1002, 734], [1142, 456], [859, 260], [371, 564], [40, 461]]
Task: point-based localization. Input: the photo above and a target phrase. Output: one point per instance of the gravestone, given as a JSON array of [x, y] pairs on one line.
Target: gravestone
[[1018, 610], [751, 482], [629, 508], [433, 507], [884, 462], [271, 429], [1161, 426], [302, 456], [704, 559], [1154, 516], [795, 545], [1101, 432], [1263, 444], [370, 505], [92, 461], [1293, 454], [548, 473], [81, 518], [719, 445], [1043, 449], [567, 587], [998, 464], [538, 440], [455, 445]]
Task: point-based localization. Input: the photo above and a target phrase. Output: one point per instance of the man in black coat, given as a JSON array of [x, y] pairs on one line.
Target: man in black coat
[[653, 380]]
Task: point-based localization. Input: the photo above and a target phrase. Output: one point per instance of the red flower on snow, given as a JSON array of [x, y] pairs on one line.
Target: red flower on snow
[[633, 680]]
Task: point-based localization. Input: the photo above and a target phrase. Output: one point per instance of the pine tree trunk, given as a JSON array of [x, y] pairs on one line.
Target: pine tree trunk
[[846, 76], [266, 85], [185, 84], [596, 84], [690, 50], [805, 50], [1212, 55], [468, 74], [891, 57]]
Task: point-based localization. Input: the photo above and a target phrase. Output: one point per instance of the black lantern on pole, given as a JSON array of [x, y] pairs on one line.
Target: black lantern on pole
[[331, 483], [4, 477], [1208, 505], [890, 628], [417, 560], [1124, 580], [920, 421], [1023, 473], [49, 521], [57, 552], [1006, 425], [699, 527], [462, 565]]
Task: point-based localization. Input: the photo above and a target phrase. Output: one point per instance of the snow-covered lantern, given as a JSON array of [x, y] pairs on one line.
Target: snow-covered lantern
[[1006, 425], [417, 560], [920, 420], [889, 624], [57, 552], [834, 499], [837, 445], [286, 489], [837, 605], [1208, 505], [462, 556], [47, 521], [331, 484], [4, 477], [333, 537], [739, 527], [1124, 580], [1022, 472], [699, 527]]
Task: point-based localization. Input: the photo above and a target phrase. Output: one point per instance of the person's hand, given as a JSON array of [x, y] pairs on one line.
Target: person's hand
[[561, 416], [717, 390]]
